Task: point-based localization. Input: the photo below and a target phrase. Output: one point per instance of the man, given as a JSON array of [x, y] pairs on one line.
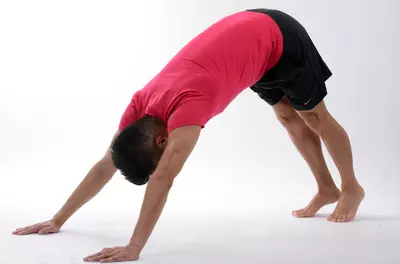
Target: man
[[266, 50]]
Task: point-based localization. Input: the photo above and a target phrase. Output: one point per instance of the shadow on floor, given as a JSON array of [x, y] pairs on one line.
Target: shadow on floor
[[369, 217]]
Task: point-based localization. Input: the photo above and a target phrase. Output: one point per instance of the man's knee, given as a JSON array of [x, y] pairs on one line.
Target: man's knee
[[285, 113], [292, 122], [287, 119], [315, 120]]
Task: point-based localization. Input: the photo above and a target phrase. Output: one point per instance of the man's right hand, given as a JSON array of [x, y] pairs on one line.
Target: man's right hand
[[95, 180], [44, 228]]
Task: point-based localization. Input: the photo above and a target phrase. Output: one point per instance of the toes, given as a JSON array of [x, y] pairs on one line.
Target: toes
[[330, 218], [297, 213], [338, 218], [341, 219], [301, 213], [349, 217], [334, 218]]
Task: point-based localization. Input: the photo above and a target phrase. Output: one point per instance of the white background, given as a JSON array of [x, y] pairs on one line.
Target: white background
[[68, 70]]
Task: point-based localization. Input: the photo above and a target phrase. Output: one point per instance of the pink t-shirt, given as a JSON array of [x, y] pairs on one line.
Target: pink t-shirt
[[209, 72]]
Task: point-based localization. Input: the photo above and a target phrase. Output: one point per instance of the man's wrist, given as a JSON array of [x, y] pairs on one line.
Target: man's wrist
[[136, 245], [59, 220]]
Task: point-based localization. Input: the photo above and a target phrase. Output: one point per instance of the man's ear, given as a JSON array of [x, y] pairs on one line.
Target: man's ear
[[162, 142]]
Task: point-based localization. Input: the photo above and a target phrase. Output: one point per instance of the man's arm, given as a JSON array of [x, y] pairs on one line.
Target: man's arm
[[181, 142], [98, 176]]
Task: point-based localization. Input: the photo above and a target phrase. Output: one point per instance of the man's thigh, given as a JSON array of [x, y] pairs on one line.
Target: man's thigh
[[307, 95], [303, 100], [284, 109]]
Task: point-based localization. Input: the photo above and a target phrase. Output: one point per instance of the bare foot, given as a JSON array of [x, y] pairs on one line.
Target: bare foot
[[347, 206], [321, 199]]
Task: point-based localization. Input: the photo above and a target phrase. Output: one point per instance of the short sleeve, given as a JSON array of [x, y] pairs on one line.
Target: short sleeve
[[193, 111], [129, 116]]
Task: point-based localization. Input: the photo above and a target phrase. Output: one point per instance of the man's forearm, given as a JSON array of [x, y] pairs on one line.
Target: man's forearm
[[91, 185], [156, 194], [180, 145], [153, 204]]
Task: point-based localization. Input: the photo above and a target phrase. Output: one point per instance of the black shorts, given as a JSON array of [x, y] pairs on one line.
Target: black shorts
[[300, 73]]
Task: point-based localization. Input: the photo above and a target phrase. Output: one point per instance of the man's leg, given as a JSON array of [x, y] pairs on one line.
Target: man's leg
[[337, 143], [308, 144]]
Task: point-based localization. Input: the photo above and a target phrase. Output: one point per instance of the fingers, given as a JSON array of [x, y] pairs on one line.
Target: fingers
[[98, 253], [108, 260], [93, 257], [21, 229], [118, 257], [41, 229], [17, 230], [104, 254], [27, 230], [47, 230], [115, 254], [115, 258]]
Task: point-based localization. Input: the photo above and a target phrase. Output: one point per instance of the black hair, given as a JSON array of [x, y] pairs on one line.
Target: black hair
[[135, 152]]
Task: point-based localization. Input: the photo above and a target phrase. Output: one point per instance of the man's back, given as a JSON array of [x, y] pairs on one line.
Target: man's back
[[210, 71]]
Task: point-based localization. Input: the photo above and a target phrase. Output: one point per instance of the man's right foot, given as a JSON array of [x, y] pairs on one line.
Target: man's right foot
[[321, 199]]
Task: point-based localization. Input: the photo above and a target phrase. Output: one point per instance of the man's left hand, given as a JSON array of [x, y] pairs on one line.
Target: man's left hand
[[115, 254]]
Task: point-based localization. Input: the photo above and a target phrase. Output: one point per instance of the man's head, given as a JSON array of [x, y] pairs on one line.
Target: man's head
[[137, 150]]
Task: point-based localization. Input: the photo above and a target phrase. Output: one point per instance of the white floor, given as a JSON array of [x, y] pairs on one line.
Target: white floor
[[242, 238]]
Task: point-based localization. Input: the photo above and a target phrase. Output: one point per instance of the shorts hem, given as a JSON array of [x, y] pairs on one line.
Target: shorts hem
[[310, 104]]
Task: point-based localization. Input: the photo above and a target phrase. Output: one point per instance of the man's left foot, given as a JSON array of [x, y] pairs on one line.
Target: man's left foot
[[322, 198], [347, 206]]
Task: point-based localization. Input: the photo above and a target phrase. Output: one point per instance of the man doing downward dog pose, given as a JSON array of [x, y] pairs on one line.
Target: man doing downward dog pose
[[265, 50]]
